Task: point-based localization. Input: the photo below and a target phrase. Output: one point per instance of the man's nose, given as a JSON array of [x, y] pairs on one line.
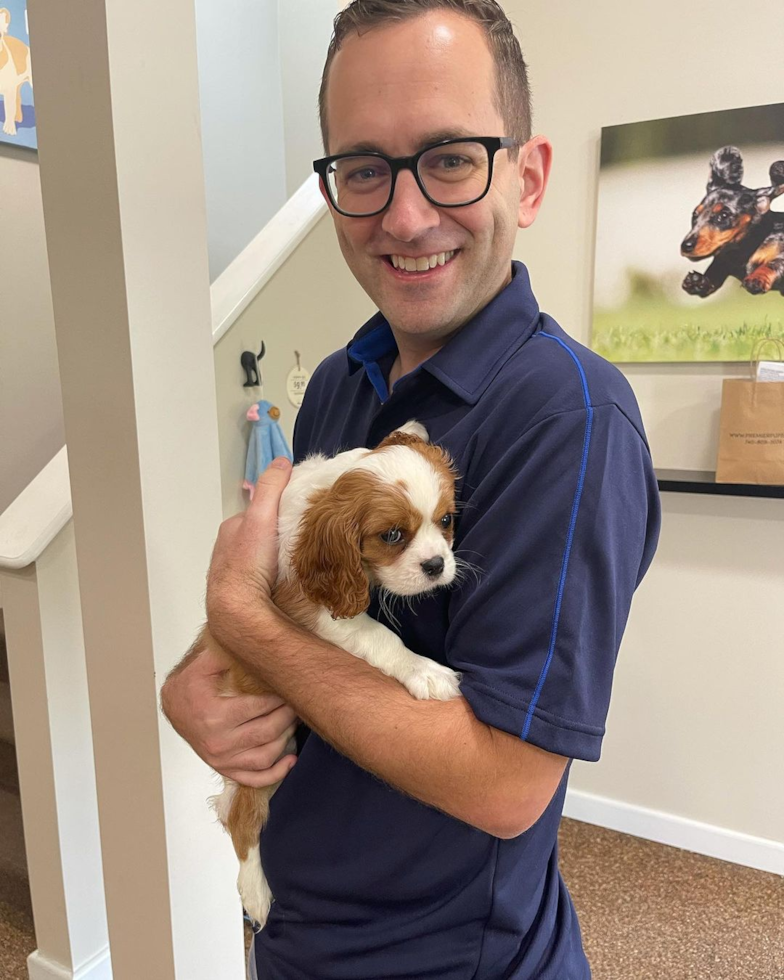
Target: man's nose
[[409, 214]]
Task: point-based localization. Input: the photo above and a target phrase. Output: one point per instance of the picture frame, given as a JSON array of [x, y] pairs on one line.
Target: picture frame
[[17, 108], [689, 261]]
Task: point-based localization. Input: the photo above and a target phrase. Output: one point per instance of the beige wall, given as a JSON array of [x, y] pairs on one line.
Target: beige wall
[[695, 725], [602, 64], [31, 414], [242, 116], [305, 28]]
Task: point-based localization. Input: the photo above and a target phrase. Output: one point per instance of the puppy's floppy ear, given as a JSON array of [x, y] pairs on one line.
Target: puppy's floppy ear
[[765, 195], [327, 556], [726, 167]]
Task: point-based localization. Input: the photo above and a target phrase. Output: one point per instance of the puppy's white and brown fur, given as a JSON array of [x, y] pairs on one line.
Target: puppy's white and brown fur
[[363, 519]]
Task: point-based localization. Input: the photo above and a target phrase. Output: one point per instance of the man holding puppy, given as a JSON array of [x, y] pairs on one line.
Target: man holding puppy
[[444, 866]]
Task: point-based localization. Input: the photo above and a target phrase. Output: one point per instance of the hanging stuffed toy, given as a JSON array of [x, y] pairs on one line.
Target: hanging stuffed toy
[[266, 442]]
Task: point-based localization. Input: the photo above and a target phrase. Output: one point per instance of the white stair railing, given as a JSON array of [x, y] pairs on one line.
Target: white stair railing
[[48, 681]]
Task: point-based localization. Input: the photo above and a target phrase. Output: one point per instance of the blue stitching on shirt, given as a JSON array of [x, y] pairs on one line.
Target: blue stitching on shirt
[[570, 536]]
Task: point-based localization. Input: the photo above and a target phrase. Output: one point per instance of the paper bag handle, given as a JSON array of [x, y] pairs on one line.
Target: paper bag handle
[[777, 342]]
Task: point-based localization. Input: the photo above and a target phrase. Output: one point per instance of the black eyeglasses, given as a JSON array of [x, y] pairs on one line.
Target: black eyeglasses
[[451, 174]]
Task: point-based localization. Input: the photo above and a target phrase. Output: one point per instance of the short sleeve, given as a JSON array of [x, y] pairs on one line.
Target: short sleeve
[[561, 528]]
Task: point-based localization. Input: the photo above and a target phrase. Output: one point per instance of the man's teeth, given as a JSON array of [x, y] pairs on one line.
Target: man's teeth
[[421, 264]]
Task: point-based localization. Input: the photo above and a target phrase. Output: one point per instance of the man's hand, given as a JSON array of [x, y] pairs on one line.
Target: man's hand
[[240, 736], [244, 562]]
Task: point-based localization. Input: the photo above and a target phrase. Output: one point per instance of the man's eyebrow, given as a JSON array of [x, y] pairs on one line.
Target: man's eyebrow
[[427, 140], [360, 148], [444, 134]]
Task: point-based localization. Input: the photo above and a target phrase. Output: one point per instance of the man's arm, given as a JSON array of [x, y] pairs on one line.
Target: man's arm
[[435, 751]]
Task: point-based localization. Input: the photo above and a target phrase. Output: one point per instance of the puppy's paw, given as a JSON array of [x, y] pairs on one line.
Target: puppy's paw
[[760, 281], [696, 284], [428, 679], [253, 888], [258, 911], [414, 428]]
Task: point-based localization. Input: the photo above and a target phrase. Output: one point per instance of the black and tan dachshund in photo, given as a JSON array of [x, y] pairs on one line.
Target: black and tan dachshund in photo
[[735, 226]]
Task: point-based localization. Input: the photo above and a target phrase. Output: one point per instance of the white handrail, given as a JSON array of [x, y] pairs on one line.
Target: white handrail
[[39, 513], [44, 507], [236, 288]]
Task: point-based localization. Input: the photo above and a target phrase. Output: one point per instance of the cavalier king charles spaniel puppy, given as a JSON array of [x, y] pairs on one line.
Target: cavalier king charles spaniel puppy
[[362, 520]]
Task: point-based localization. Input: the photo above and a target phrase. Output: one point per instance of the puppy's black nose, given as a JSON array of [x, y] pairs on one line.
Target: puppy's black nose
[[688, 244], [433, 567]]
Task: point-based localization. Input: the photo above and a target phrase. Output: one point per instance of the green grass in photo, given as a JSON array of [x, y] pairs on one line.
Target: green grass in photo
[[652, 328]]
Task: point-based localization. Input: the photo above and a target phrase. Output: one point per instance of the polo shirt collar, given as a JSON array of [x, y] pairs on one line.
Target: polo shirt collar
[[471, 359]]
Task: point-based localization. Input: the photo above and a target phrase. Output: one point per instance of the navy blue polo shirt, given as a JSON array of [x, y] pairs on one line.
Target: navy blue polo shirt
[[560, 513]]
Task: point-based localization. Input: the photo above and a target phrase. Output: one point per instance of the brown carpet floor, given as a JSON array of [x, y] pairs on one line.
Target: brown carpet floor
[[648, 912], [17, 938]]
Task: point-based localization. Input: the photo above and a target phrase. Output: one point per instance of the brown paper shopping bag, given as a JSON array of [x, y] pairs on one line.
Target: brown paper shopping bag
[[751, 429]]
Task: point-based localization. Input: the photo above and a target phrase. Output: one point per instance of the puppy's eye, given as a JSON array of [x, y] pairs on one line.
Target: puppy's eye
[[446, 520], [395, 536]]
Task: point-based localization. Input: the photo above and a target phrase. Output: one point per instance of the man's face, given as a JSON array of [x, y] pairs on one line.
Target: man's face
[[396, 89]]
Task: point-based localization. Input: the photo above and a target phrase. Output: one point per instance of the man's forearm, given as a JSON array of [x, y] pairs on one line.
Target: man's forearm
[[435, 751]]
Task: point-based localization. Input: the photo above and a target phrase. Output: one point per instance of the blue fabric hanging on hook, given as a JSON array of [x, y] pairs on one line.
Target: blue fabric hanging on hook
[[265, 443]]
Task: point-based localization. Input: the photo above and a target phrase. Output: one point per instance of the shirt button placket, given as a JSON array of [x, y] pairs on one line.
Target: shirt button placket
[[394, 412]]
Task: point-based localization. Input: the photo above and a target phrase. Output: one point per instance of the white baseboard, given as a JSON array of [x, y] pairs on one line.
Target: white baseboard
[[664, 828], [99, 967]]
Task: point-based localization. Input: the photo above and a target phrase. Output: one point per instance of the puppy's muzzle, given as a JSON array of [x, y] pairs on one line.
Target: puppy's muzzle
[[688, 245], [433, 567]]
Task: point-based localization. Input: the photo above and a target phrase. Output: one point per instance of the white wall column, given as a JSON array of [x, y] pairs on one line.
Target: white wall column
[[122, 181]]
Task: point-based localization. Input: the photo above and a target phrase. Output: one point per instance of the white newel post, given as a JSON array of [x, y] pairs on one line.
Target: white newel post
[[55, 758], [121, 174]]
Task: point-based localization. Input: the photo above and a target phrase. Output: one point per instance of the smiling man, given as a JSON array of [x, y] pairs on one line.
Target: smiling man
[[414, 84], [444, 866]]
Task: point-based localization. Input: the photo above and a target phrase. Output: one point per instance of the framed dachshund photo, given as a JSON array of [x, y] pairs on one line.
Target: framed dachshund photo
[[17, 113], [690, 237]]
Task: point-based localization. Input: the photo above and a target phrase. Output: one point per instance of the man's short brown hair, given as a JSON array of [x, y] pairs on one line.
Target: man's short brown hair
[[512, 97]]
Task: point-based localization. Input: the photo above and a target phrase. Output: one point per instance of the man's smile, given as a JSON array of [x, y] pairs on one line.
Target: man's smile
[[420, 263], [410, 267]]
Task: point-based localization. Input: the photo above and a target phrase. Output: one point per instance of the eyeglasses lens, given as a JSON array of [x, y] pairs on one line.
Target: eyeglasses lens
[[359, 185], [455, 174]]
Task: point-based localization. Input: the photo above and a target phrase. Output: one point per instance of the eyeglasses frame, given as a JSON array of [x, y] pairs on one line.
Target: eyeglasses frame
[[491, 143]]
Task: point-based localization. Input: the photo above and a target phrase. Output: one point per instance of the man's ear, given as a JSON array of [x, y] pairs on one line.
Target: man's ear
[[533, 161]]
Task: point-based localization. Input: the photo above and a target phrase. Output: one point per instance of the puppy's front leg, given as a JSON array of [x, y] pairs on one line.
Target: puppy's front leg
[[380, 647]]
